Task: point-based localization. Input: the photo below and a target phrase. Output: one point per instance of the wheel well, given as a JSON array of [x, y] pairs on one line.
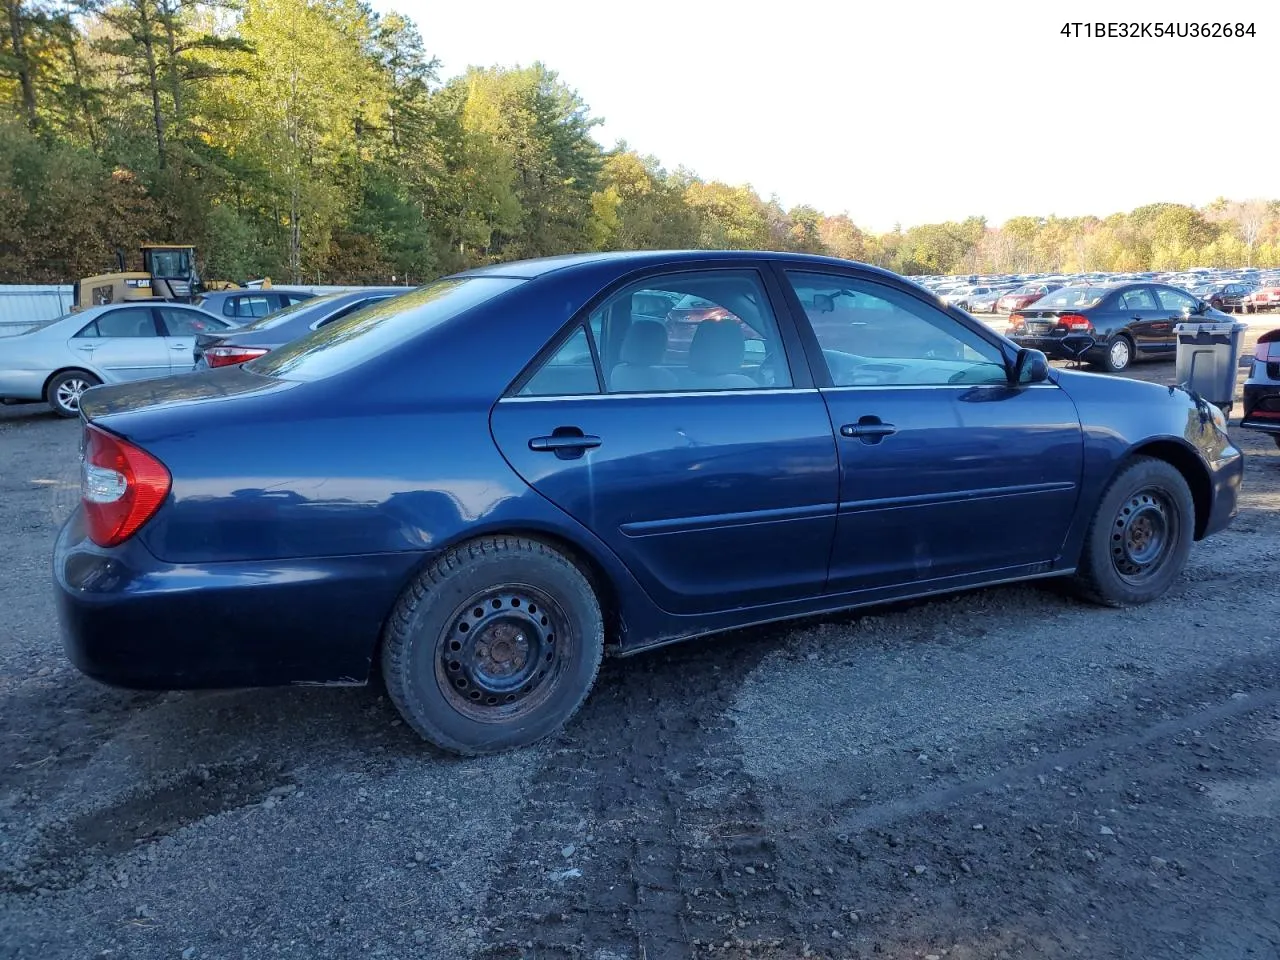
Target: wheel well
[[1192, 470], [606, 594], [44, 390]]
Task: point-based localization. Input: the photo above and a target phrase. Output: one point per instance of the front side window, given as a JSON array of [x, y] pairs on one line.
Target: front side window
[[1137, 300], [874, 335], [129, 322], [690, 332], [1175, 300]]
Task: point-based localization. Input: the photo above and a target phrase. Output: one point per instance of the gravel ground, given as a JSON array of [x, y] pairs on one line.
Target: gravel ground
[[1004, 773]]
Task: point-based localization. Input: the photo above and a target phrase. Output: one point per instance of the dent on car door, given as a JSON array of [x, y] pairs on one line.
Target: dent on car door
[[706, 464], [947, 470], [123, 344]]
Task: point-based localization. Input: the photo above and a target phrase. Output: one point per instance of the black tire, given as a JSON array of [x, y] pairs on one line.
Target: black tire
[[511, 594], [1110, 360], [63, 392], [1146, 514]]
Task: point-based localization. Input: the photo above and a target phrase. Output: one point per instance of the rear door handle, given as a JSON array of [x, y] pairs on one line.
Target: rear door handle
[[581, 441], [567, 443]]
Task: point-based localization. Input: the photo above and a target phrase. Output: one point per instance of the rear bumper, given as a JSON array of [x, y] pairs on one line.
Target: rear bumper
[[130, 620], [1261, 408], [22, 384], [1051, 347]]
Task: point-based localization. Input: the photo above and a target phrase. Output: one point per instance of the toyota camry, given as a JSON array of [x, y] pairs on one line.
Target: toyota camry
[[481, 488]]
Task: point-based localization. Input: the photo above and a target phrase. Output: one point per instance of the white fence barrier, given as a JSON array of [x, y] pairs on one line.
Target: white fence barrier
[[23, 306]]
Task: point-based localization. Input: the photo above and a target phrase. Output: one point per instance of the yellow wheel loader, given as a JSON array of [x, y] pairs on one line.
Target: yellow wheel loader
[[168, 273]]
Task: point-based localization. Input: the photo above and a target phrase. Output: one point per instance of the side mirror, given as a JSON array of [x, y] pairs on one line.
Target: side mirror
[[1032, 366]]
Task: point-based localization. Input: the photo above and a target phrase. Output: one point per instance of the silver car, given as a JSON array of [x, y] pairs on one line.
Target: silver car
[[60, 359]]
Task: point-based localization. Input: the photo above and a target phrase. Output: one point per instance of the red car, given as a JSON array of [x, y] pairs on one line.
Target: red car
[[683, 319], [1264, 298], [1024, 296]]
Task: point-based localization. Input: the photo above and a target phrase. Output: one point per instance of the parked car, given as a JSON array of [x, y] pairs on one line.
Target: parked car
[[1108, 327], [242, 305], [481, 487], [60, 359], [965, 297], [1024, 296], [224, 348], [1266, 297], [986, 302], [1262, 389], [1228, 297]]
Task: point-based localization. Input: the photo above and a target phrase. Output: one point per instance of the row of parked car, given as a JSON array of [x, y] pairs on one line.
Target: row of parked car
[[58, 360], [1233, 291]]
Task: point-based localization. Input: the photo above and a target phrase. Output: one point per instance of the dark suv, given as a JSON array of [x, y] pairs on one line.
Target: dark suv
[[1108, 327]]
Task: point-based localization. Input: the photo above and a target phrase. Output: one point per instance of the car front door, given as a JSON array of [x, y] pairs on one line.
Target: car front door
[[947, 472], [123, 344], [180, 326], [708, 467]]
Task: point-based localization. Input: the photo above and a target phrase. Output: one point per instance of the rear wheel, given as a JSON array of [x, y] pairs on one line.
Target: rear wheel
[[1117, 355], [1140, 536], [64, 391], [495, 645]]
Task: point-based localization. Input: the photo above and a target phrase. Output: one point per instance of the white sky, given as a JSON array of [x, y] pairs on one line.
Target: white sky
[[907, 112]]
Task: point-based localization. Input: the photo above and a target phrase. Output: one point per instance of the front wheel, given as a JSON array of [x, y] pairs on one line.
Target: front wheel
[[1140, 536], [65, 390], [495, 645]]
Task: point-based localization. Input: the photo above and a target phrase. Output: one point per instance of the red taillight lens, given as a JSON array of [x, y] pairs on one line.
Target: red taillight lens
[[121, 487], [229, 356], [1017, 321], [1075, 321]]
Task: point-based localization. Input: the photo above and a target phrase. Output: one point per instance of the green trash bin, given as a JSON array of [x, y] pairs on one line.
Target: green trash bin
[[1208, 359]]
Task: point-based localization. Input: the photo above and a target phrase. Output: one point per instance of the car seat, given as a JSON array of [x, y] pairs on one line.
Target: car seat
[[716, 355], [643, 348]]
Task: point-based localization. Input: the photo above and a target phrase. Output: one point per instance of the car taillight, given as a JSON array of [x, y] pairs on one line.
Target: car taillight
[[1075, 321], [1268, 348], [229, 356], [1017, 321], [121, 487]]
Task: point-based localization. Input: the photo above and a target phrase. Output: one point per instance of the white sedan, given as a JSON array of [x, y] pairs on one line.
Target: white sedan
[[60, 359]]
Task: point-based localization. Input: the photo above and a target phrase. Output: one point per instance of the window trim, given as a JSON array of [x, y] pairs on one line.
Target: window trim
[[792, 346], [818, 362], [136, 305]]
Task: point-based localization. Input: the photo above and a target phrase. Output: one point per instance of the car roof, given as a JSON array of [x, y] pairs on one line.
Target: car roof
[[636, 259]]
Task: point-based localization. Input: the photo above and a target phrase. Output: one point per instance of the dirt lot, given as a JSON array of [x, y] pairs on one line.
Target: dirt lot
[[1005, 773]]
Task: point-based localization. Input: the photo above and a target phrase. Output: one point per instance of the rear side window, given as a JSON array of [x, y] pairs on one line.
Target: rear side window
[[131, 322], [1175, 299], [1137, 300], [378, 329], [258, 306], [569, 372]]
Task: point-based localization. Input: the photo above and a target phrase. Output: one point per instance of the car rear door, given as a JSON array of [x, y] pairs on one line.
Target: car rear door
[[181, 326], [123, 343], [946, 471], [1136, 312], [1175, 307], [709, 469]]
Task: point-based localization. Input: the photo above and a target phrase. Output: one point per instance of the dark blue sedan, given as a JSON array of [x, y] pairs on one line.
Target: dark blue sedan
[[482, 487]]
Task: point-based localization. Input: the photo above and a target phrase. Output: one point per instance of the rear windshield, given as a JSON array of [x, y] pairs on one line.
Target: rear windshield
[[291, 311], [1072, 297], [380, 327]]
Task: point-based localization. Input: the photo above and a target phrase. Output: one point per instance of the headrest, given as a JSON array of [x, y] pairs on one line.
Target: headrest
[[645, 343], [718, 347]]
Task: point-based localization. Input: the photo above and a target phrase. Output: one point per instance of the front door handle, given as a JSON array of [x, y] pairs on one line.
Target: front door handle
[[868, 429], [567, 443]]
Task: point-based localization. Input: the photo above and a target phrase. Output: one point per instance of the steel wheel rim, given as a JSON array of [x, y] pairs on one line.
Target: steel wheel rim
[[1120, 354], [501, 653], [69, 392], [1142, 535]]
